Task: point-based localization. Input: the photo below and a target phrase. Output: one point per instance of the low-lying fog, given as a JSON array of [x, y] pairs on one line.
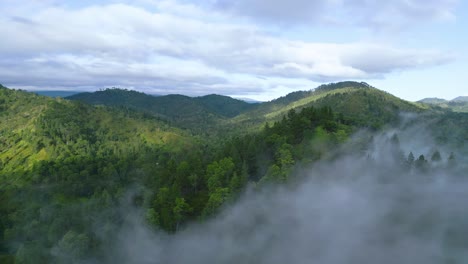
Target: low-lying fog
[[354, 210]]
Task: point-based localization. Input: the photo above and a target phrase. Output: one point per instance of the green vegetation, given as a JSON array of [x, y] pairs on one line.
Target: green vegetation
[[200, 114], [53, 93], [459, 104], [67, 167], [366, 105]]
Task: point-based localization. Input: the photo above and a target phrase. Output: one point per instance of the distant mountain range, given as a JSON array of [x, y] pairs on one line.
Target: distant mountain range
[[66, 93], [458, 104], [357, 99], [51, 93], [199, 113]]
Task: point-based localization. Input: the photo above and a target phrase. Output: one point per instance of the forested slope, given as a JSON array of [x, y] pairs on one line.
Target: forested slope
[[70, 171], [366, 105], [200, 114], [67, 165], [459, 104]]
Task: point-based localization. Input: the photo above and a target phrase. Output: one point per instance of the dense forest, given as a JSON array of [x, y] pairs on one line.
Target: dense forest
[[69, 168]]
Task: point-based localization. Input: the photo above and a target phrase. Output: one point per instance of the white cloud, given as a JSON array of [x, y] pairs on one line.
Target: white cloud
[[276, 11], [398, 14], [180, 47], [373, 14]]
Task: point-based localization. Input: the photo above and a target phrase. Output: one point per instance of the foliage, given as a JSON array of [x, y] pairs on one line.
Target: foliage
[[67, 168], [459, 104], [196, 113]]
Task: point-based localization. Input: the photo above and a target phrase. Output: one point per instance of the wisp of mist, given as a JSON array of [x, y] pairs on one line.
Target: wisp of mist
[[352, 209]]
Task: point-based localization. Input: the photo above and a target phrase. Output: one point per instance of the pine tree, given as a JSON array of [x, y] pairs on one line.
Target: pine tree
[[410, 160], [436, 156]]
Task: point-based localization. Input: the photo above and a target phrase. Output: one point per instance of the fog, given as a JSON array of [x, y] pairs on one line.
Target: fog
[[353, 209]]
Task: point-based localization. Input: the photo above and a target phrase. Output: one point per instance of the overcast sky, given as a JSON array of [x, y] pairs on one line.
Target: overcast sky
[[259, 49]]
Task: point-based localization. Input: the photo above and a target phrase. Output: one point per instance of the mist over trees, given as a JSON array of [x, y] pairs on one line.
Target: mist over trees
[[94, 184]]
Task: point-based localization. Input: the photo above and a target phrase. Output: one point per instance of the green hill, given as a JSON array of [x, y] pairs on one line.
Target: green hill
[[53, 93], [433, 100], [66, 165], [369, 106], [460, 99], [199, 114], [458, 104], [221, 113], [359, 101], [224, 105], [35, 128]]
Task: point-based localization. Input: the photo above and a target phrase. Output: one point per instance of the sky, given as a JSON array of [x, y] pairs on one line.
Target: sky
[[257, 49]]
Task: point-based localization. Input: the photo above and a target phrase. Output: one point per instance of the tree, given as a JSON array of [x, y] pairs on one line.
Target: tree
[[72, 247], [421, 163], [436, 156], [219, 173], [30, 253], [410, 160], [238, 181], [217, 198], [163, 205], [274, 175], [182, 180], [180, 210], [284, 157], [452, 162], [152, 217], [395, 140]]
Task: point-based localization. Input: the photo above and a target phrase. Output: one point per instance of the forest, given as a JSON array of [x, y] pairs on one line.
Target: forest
[[74, 170]]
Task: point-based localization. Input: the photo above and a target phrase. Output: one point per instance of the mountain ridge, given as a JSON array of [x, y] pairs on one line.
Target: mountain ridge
[[343, 97], [53, 124], [457, 104], [183, 111]]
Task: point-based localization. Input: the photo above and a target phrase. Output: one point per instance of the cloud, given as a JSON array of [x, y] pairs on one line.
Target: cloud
[[278, 12], [179, 47], [366, 13], [381, 59], [399, 14], [350, 210]]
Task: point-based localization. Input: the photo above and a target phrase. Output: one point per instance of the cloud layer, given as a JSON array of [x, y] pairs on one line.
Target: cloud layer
[[394, 14], [169, 46]]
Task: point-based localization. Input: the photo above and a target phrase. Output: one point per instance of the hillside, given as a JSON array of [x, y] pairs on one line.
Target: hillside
[[224, 105], [368, 105], [365, 104], [53, 93], [196, 113], [73, 174], [433, 100], [458, 104], [460, 99], [68, 165], [34, 128]]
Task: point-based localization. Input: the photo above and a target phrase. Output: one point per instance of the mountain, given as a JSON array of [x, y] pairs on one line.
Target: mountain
[[248, 100], [458, 104], [221, 113], [36, 128], [196, 113], [357, 100], [224, 105], [433, 100], [53, 93], [460, 99]]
